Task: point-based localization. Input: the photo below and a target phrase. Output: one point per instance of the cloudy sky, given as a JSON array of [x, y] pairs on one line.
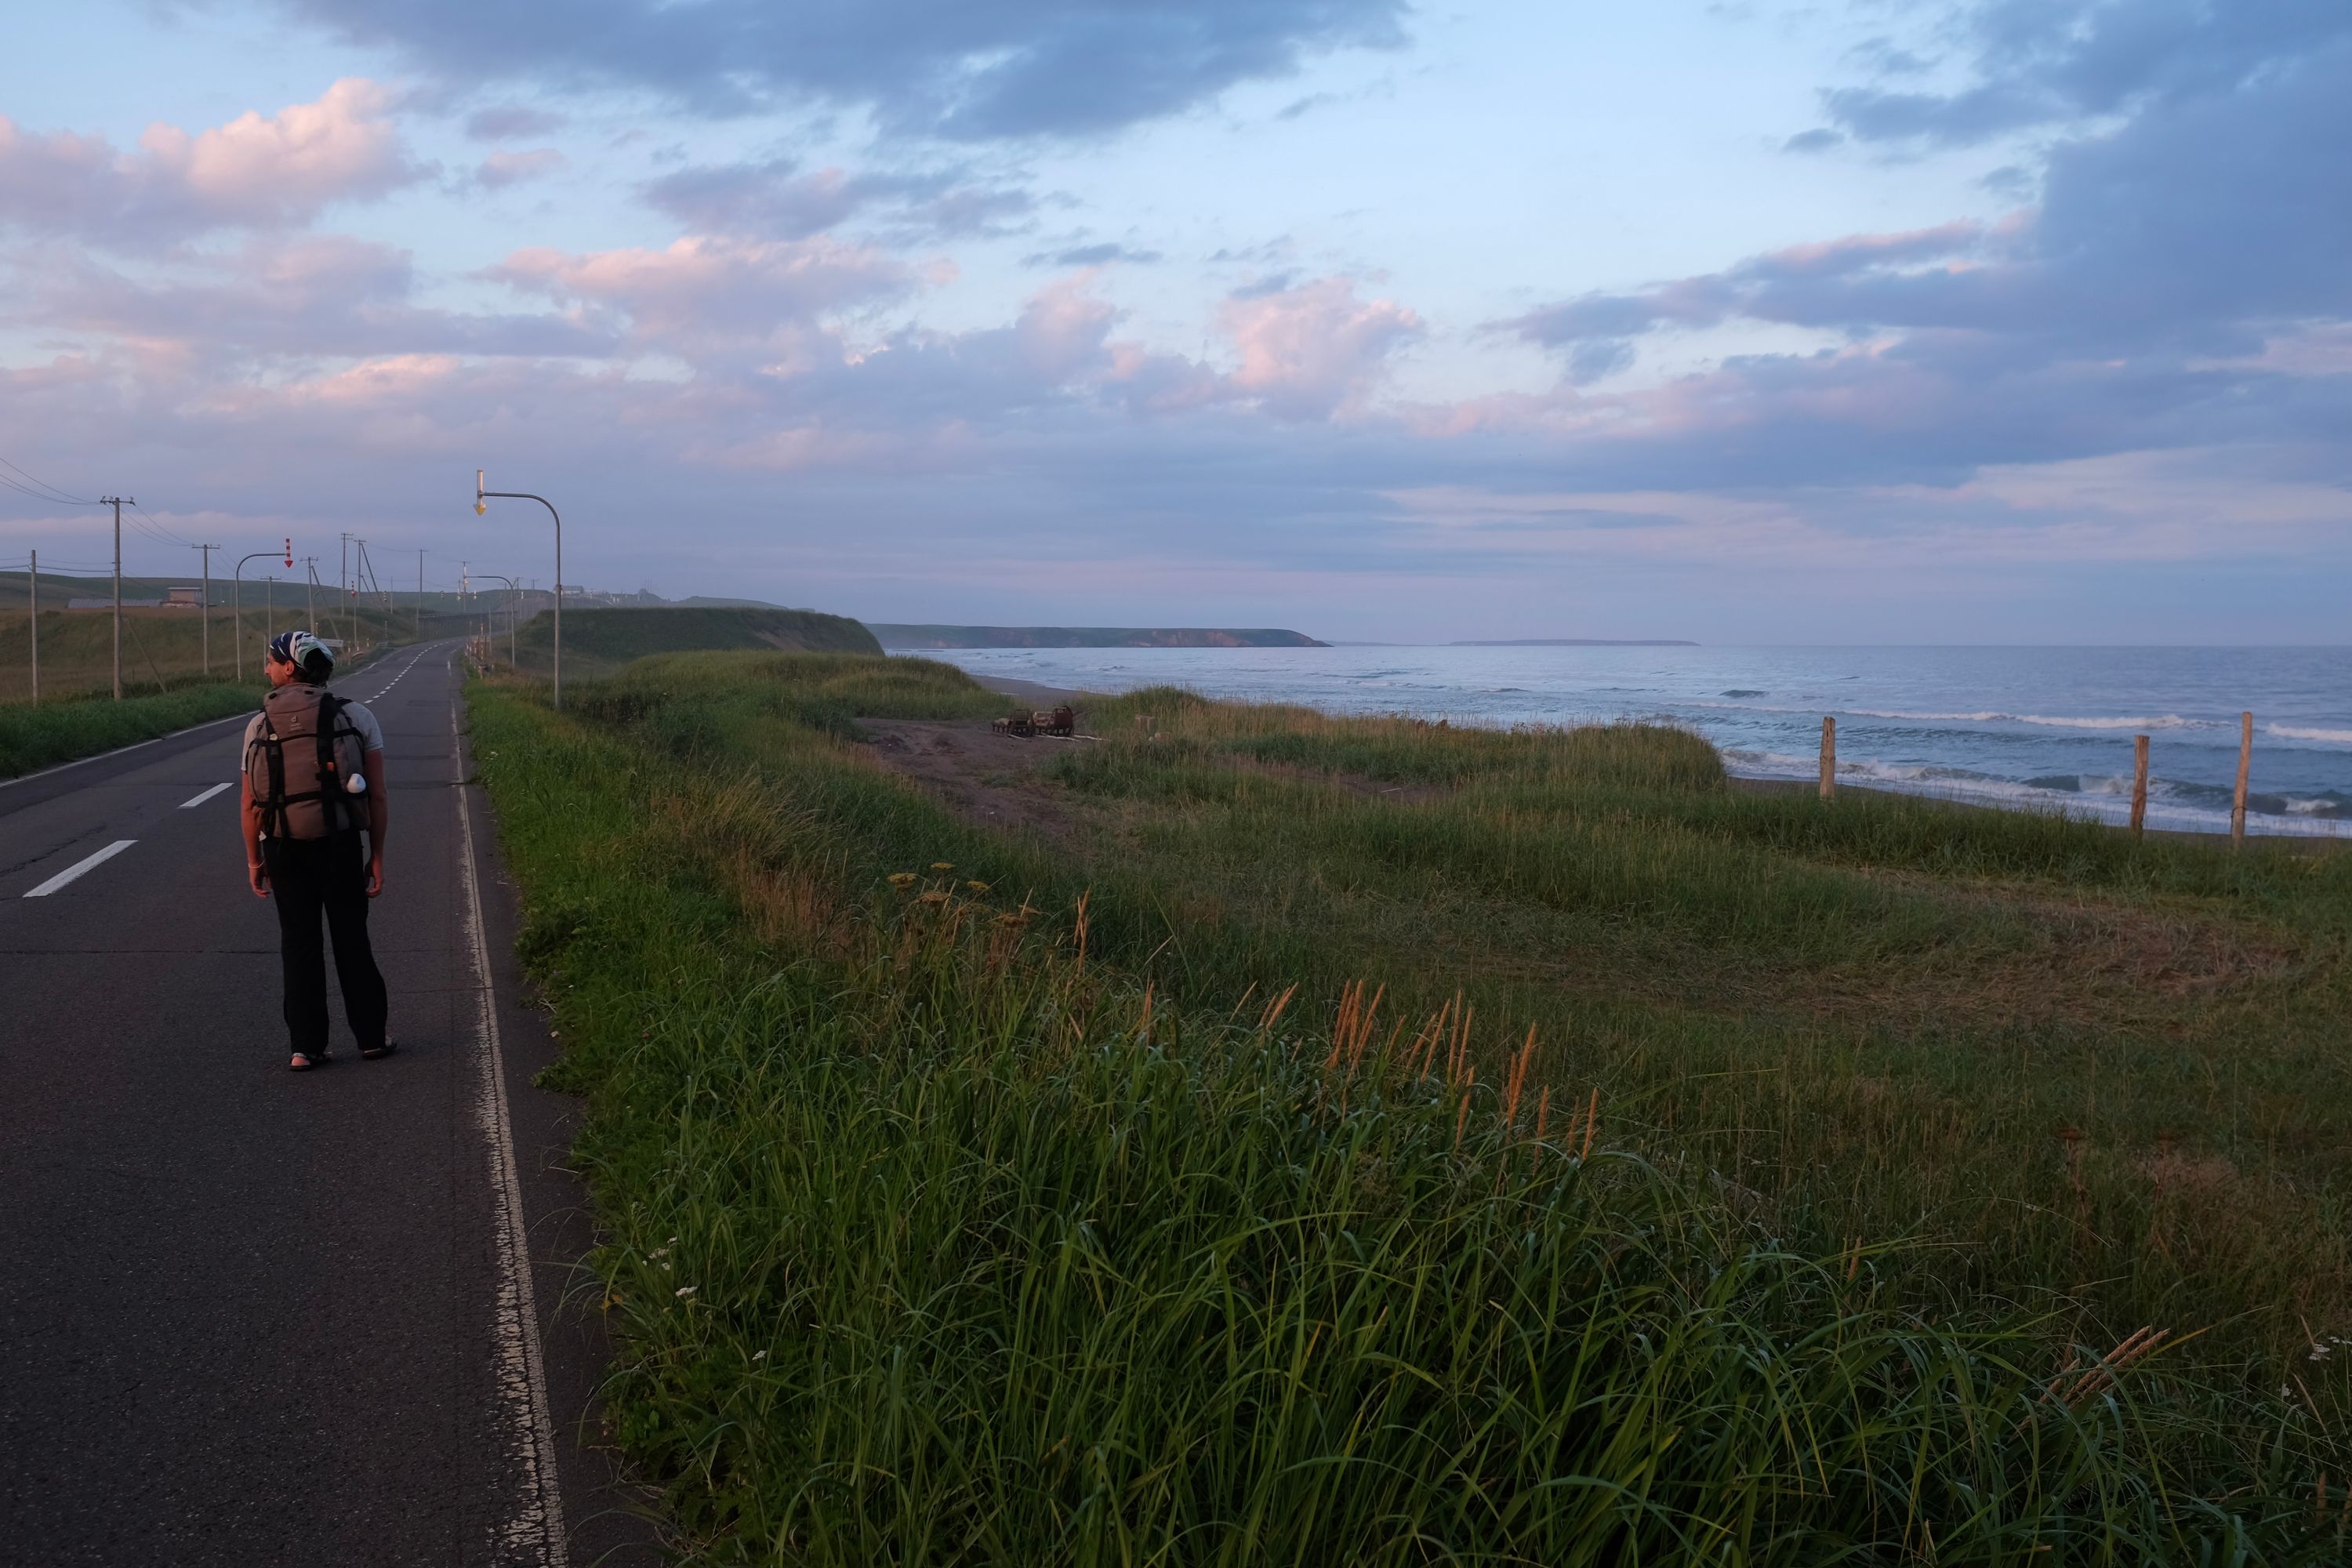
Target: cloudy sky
[[1891, 320]]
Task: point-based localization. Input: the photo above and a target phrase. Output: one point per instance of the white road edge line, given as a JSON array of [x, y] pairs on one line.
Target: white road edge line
[[78, 867], [536, 1532], [192, 804]]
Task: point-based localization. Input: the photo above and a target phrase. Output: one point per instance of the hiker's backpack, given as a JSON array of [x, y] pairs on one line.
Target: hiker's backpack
[[299, 762]]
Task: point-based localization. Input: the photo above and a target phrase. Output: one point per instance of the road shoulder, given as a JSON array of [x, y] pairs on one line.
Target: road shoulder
[[610, 1522]]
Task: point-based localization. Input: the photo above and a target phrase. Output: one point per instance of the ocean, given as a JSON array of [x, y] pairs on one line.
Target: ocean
[[2035, 728]]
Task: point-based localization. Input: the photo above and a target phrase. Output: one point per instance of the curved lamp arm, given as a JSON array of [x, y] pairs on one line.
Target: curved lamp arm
[[482, 495]]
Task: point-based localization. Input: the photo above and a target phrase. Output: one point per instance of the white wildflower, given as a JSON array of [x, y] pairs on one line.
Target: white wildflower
[[684, 1291]]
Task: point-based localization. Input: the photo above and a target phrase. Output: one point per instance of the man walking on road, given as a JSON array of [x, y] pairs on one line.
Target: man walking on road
[[314, 778]]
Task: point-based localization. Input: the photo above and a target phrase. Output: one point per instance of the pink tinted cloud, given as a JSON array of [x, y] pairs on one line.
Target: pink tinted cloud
[[1306, 351], [253, 309], [1062, 328], [255, 170], [712, 296], [1309, 351], [1855, 252]]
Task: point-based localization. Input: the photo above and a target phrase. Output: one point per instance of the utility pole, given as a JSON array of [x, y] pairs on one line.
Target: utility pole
[[363, 576], [309, 600], [355, 568], [207, 550], [116, 502], [512, 658], [420, 595], [344, 586], [375, 586], [34, 583]]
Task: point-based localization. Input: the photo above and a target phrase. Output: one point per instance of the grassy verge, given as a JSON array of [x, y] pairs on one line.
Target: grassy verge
[[969, 1198], [34, 738], [2102, 1073]]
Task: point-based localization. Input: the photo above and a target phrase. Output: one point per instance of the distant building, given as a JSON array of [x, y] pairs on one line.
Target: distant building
[[183, 598]]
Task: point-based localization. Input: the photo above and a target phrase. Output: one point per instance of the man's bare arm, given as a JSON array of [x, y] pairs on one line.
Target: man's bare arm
[[379, 801], [249, 814]]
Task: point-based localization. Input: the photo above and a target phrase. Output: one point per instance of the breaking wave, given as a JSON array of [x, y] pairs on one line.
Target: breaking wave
[[2172, 802]]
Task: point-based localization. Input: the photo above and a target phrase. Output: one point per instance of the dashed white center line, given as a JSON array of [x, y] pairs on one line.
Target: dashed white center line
[[72, 871], [189, 805]]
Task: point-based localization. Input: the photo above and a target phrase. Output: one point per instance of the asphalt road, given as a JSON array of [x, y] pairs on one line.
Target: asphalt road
[[253, 1317]]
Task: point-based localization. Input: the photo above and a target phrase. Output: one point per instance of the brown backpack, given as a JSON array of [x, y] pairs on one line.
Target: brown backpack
[[300, 761]]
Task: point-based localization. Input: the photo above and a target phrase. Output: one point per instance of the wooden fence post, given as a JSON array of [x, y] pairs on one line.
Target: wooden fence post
[[2245, 764], [1829, 758], [2139, 785]]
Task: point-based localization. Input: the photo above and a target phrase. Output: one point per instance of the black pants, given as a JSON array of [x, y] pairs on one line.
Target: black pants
[[308, 877]]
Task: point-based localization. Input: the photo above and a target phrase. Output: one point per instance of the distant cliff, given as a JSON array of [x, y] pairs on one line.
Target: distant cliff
[[899, 636]]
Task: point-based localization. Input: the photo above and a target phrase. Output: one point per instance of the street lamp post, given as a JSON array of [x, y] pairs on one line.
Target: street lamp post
[[512, 658], [482, 495], [237, 601]]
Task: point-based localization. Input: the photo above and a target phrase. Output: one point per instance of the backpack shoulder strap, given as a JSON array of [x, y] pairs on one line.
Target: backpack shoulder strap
[[273, 751], [331, 779]]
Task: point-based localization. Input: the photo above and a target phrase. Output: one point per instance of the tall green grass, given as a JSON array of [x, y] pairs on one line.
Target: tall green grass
[[938, 1232], [1874, 1018], [32, 738]]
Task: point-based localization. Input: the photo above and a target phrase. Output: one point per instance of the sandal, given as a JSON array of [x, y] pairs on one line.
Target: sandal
[[377, 1053], [303, 1061]]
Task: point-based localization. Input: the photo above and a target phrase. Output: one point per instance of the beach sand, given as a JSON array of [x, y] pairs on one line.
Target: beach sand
[[1031, 691]]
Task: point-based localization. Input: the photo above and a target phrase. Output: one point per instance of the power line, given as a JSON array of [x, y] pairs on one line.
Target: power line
[[157, 531], [55, 493], [26, 490], [80, 568]]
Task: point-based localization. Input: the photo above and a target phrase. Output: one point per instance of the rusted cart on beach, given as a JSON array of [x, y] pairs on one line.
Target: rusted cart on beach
[[1062, 722]]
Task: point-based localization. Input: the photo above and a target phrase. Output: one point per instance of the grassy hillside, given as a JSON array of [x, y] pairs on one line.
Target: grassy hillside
[[161, 649], [923, 637], [1334, 1141], [597, 642], [57, 588]]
